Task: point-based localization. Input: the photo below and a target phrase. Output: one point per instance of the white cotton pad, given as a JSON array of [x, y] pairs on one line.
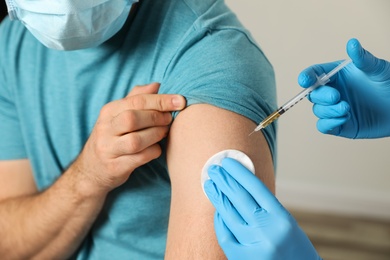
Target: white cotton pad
[[217, 160]]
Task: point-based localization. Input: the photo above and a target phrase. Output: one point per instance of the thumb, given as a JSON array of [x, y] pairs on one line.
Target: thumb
[[364, 60], [151, 88]]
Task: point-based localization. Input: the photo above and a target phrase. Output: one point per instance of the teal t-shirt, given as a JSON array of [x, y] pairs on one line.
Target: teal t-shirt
[[50, 100]]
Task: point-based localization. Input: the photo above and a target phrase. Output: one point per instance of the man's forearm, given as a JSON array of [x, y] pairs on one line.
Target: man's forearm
[[50, 224]]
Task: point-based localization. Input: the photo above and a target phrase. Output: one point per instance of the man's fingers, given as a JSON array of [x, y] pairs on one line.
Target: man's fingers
[[138, 159], [136, 142], [145, 97], [134, 120], [159, 102]]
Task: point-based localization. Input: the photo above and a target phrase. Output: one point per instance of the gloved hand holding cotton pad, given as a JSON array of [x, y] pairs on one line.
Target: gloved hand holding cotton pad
[[217, 158]]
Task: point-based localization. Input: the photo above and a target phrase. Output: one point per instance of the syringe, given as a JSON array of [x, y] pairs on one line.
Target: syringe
[[321, 80]]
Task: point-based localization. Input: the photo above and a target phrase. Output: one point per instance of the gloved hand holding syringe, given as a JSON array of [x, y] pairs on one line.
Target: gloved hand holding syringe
[[321, 80]]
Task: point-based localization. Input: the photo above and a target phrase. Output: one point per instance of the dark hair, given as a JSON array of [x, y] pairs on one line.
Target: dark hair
[[3, 10]]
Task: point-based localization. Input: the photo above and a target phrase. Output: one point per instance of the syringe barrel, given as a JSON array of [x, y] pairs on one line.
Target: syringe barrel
[[289, 104]]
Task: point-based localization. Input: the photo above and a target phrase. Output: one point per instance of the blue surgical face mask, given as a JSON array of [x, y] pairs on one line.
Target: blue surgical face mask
[[71, 24]]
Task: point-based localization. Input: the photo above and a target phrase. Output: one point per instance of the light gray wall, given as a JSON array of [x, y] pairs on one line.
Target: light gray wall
[[315, 171]]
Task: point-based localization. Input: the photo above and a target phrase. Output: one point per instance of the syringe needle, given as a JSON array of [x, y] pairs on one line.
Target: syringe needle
[[275, 115], [258, 128], [254, 131]]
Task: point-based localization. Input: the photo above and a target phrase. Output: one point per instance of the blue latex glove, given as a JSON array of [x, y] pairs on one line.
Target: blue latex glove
[[250, 222], [356, 101]]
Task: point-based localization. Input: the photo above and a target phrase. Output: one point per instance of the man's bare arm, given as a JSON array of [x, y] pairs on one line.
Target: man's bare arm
[[197, 133], [19, 181], [32, 223]]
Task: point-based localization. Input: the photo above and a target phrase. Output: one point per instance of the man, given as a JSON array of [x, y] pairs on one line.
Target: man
[[88, 167]]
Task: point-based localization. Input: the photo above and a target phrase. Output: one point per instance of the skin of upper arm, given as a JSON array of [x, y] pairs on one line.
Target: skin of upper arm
[[16, 179], [197, 133]]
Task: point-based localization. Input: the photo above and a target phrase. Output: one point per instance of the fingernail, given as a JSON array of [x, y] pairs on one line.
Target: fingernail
[[177, 101]]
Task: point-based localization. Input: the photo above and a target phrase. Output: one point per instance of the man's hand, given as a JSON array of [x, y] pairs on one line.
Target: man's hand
[[126, 136]]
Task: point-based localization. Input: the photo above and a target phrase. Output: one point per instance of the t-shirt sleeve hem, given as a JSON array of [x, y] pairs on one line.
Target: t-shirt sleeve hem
[[12, 153]]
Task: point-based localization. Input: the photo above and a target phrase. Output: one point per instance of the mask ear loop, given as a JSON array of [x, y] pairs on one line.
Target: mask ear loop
[[11, 9]]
